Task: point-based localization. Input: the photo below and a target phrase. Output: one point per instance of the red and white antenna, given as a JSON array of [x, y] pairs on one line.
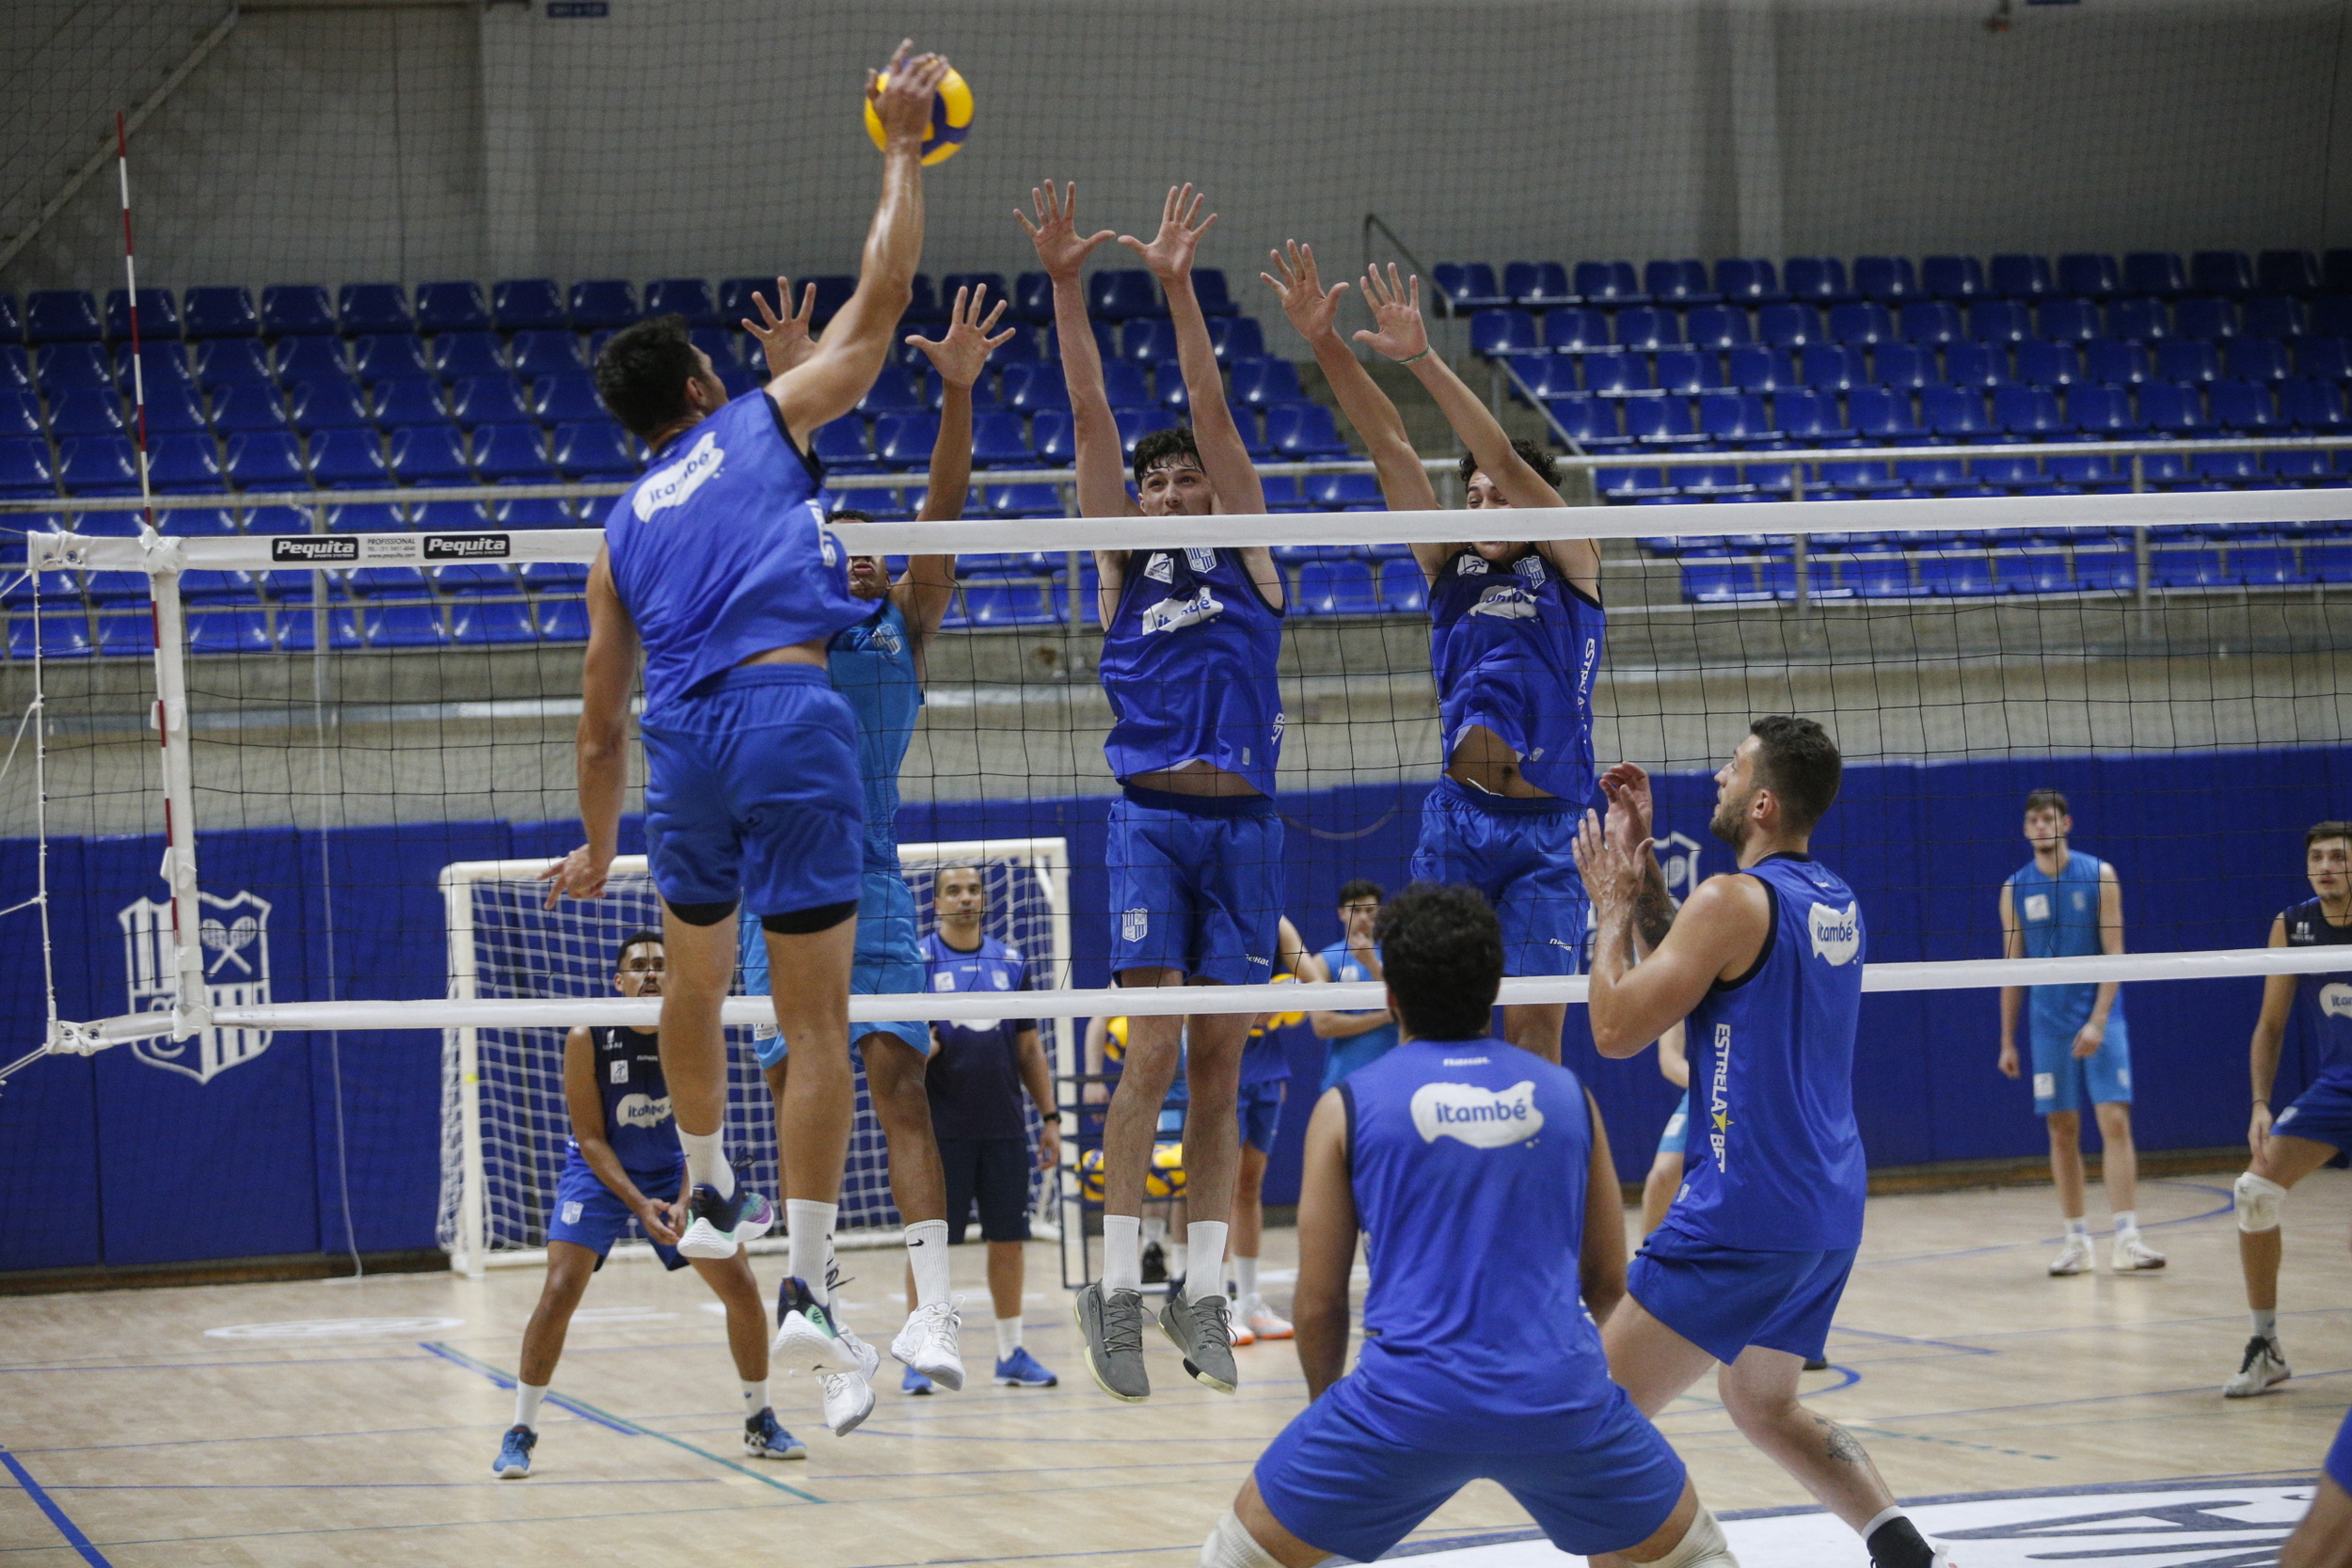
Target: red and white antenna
[[131, 278]]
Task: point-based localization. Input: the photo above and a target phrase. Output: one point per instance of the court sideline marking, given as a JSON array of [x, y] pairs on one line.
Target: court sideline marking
[[58, 1517]]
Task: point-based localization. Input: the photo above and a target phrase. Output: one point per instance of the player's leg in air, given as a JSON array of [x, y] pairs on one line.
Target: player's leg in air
[[2308, 1134], [1265, 1084], [1190, 659]]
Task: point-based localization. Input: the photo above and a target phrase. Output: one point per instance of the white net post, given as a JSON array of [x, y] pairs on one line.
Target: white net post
[[463, 1231]]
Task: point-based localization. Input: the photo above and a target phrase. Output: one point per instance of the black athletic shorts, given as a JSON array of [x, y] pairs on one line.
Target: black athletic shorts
[[994, 1171]]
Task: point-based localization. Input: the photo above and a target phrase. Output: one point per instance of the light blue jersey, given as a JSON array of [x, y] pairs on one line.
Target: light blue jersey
[[1190, 665], [1346, 1055], [2058, 917], [872, 665]]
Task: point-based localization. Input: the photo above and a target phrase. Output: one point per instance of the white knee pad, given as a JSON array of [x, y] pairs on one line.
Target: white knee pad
[[1232, 1545], [2258, 1200], [1702, 1546]]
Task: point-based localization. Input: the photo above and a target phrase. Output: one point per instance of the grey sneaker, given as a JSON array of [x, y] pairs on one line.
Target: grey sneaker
[[1111, 1324], [1202, 1328], [2265, 1364]]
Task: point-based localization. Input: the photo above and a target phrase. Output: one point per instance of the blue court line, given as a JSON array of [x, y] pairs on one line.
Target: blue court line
[[66, 1526], [618, 1423]]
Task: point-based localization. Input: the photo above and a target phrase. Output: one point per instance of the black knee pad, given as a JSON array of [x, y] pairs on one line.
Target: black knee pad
[[800, 923], [701, 914]]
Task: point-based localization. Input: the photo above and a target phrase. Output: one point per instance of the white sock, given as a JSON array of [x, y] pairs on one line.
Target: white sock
[[2266, 1322], [707, 1162], [1176, 1256], [1205, 1241], [926, 1253], [1155, 1229], [754, 1397], [1122, 1252], [2078, 1226], [811, 1244], [1008, 1337], [1246, 1276], [527, 1404], [2126, 1221]]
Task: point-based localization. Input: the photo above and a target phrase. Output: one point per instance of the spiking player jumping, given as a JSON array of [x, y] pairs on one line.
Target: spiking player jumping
[[1191, 639]]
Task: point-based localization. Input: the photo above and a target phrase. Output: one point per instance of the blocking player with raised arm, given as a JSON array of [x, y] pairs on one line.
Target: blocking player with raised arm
[[1763, 967], [2318, 1125], [624, 1162], [721, 563], [1516, 631], [1482, 1175], [1191, 643], [2064, 904], [877, 666]]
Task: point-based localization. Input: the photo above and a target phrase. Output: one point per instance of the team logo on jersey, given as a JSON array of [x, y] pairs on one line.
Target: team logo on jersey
[[676, 485], [1483, 1119], [1199, 559], [1004, 981], [641, 1110], [1133, 924], [1679, 856], [234, 933], [943, 981], [1718, 1097], [2335, 1001], [2037, 906], [619, 1072], [885, 639], [1507, 601], [2082, 902], [1531, 566], [1174, 614], [1161, 568], [1836, 933]]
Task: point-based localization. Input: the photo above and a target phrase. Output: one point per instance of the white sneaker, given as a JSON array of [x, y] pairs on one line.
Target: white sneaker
[[2265, 1364], [850, 1396], [2132, 1253], [930, 1343], [1258, 1321], [808, 1339], [2073, 1257]]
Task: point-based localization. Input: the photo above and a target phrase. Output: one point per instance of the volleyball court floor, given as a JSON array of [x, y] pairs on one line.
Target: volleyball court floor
[[2052, 1420]]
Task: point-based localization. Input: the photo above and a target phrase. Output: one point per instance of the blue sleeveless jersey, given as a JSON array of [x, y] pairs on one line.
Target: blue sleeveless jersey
[[1468, 1161], [2323, 1003], [2059, 918], [974, 1080], [637, 1120], [873, 667], [1190, 663], [1348, 1054], [1773, 1160], [721, 551], [1515, 650]]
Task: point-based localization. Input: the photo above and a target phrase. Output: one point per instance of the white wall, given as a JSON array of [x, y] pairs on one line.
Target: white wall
[[721, 137]]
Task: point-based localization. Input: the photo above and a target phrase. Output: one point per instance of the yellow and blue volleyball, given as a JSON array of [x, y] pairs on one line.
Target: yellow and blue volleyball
[[1165, 1178], [951, 119], [1114, 1039], [1091, 1175]]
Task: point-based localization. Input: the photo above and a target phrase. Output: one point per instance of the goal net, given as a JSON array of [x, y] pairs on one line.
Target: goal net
[[503, 1118]]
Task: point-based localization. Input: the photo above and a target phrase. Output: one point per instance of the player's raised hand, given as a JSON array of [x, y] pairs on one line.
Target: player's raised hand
[[1311, 306], [1169, 254], [958, 354], [787, 340], [1611, 877], [1626, 786], [577, 875], [1060, 249], [904, 104], [1400, 333]]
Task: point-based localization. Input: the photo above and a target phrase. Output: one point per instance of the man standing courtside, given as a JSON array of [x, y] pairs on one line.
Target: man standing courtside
[[1765, 965], [1356, 1037], [2064, 904], [721, 563], [1191, 643]]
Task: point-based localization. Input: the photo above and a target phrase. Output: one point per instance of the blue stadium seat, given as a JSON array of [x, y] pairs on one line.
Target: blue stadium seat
[[373, 308], [512, 454], [2189, 361], [98, 465], [1809, 417], [451, 307], [1124, 385], [894, 391], [297, 310], [61, 316], [160, 366], [2208, 320], [1736, 418], [59, 633], [690, 297], [1054, 434], [842, 446], [1572, 329], [1719, 326], [1116, 294], [1989, 466], [1538, 376], [230, 361], [2029, 412], [1467, 285], [2110, 363], [1591, 422], [526, 304], [430, 454], [1338, 588], [600, 304], [1882, 414], [1931, 322], [1031, 499], [2287, 272], [2139, 321], [491, 624], [1954, 412], [1032, 387], [1983, 366], [244, 407], [2173, 409], [410, 400], [2226, 273], [2265, 566], [487, 400], [2315, 408], [597, 449], [405, 626], [159, 315], [1608, 283], [2274, 316], [1817, 279], [1033, 297], [1661, 422], [1000, 441], [565, 621], [1790, 325], [905, 440], [24, 468], [226, 631], [220, 312], [565, 399], [174, 409], [348, 460], [1344, 492], [329, 405], [1615, 375], [1956, 278], [2000, 321], [60, 366], [1863, 325], [1905, 365], [2256, 359], [1237, 338], [388, 356], [1106, 348], [2320, 358], [2020, 278], [1209, 289], [1263, 382], [1958, 574], [2070, 321], [2189, 568], [266, 460], [1833, 368], [1147, 339], [459, 355], [1757, 369], [1536, 284], [1136, 424], [1168, 378], [373, 518], [2103, 411], [1403, 591], [1683, 371], [85, 411], [19, 415], [2088, 275], [2041, 364], [312, 358], [1304, 430], [2244, 406], [2155, 273], [992, 282], [1678, 283], [1644, 327], [1748, 280], [1887, 279]]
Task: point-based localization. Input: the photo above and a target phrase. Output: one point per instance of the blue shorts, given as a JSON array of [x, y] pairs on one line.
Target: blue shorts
[[1197, 889], [1337, 1486], [2060, 1078], [752, 792], [1518, 854], [2338, 1467], [2322, 1113], [889, 961], [1724, 1299], [589, 1213], [1261, 1109], [1677, 1129]]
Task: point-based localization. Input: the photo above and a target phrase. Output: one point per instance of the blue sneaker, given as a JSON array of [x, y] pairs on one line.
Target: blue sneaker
[[1021, 1370], [763, 1438], [513, 1461], [915, 1382]]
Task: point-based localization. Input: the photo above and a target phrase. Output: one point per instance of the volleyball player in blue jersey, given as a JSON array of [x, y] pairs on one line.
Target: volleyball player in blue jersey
[[877, 666], [1763, 967], [1516, 631], [720, 562], [1356, 1037], [1191, 640], [2064, 904], [1481, 1176], [2317, 1127]]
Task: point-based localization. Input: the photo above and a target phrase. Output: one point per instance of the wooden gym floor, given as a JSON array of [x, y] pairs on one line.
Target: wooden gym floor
[[360, 1428]]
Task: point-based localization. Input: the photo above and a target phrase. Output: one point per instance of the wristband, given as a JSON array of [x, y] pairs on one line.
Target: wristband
[[1423, 354]]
